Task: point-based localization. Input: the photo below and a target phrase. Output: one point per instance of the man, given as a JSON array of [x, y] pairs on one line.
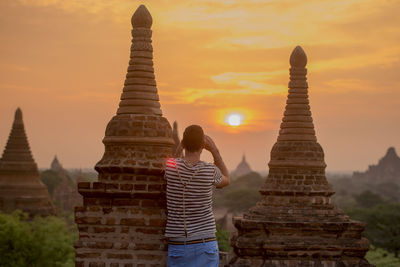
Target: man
[[190, 182]]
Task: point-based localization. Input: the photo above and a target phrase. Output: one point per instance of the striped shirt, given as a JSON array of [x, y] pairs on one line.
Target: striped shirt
[[190, 207]]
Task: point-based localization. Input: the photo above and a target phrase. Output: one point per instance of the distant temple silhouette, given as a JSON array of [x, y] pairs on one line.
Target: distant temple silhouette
[[175, 136], [243, 168], [20, 184], [296, 223], [387, 169], [65, 194], [56, 165]]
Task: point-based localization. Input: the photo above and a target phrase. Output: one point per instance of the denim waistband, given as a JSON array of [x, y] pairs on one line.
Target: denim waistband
[[190, 238]]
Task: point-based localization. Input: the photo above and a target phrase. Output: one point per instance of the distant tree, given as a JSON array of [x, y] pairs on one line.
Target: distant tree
[[340, 184], [390, 191], [382, 258], [367, 199], [241, 194], [382, 225], [38, 242], [51, 179], [241, 200], [250, 180], [87, 176]]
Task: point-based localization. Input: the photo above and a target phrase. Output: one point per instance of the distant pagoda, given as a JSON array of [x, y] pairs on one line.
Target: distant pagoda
[[175, 136], [20, 184], [295, 223], [65, 194], [243, 168], [386, 171], [56, 165]]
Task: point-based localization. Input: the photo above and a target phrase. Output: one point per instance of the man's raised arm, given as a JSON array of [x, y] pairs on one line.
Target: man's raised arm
[[210, 146]]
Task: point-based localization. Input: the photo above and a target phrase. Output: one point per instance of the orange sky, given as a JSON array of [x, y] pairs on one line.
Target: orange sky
[[64, 63]]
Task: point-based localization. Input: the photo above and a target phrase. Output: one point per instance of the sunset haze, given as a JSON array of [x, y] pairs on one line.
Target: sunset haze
[[64, 63]]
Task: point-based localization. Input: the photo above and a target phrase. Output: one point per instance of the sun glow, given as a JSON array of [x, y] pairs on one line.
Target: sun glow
[[234, 119]]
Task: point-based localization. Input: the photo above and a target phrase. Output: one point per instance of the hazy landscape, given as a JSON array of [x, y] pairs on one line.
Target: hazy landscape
[[374, 200], [295, 95]]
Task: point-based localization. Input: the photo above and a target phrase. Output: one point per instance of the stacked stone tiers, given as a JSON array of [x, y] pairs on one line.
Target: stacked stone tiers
[[20, 185], [140, 92], [295, 223], [122, 220]]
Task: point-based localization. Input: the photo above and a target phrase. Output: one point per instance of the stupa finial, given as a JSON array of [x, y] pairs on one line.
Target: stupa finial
[[18, 116], [298, 58], [297, 123], [140, 95], [142, 18]]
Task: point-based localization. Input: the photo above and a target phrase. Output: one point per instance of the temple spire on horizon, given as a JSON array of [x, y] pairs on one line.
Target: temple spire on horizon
[[20, 184], [17, 148], [242, 168], [55, 164], [175, 136]]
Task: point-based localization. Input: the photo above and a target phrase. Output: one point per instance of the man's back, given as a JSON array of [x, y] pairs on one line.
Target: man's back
[[190, 207], [190, 182]]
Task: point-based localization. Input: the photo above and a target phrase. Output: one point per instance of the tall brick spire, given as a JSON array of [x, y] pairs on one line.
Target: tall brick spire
[[297, 144], [124, 212], [295, 223], [20, 185], [297, 121], [140, 92]]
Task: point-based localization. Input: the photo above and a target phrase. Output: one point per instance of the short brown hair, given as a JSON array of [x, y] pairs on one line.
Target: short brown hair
[[193, 138]]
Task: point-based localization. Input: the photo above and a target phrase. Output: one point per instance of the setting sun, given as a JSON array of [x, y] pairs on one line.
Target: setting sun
[[212, 59], [234, 119]]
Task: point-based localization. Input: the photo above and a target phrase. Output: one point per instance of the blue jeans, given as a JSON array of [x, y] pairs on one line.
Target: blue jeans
[[193, 255]]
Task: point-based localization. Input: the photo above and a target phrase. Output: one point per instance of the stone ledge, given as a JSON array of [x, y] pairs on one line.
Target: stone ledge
[[120, 190], [241, 222]]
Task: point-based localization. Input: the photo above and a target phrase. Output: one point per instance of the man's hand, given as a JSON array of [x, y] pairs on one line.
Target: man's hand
[[209, 144]]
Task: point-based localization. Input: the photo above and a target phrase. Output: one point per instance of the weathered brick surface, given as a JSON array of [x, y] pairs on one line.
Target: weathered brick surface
[[122, 220], [295, 223]]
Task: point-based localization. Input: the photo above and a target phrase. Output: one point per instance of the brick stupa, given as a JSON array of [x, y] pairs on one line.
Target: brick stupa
[[123, 217], [20, 184], [295, 222]]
